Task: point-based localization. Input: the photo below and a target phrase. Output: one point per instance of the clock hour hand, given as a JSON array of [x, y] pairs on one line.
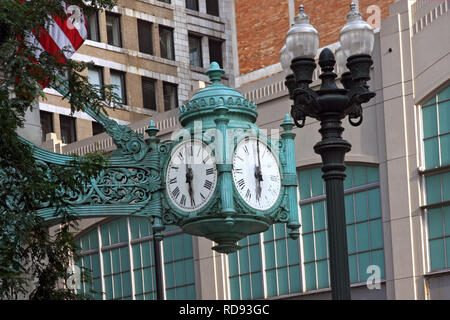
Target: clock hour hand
[[189, 178], [258, 173]]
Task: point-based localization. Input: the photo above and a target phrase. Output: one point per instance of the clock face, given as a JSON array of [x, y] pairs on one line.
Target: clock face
[[256, 174], [191, 175]]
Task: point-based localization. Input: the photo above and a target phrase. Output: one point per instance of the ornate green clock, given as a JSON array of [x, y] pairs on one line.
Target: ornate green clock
[[220, 178]]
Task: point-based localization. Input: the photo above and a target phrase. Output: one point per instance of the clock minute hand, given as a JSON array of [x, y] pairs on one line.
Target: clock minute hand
[[258, 173]]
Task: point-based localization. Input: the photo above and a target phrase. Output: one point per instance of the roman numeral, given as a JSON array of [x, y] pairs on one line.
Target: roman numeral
[[241, 184], [172, 181], [203, 197], [273, 178], [248, 194], [174, 168], [176, 192], [206, 159], [246, 149], [192, 202], [238, 170], [209, 171], [208, 184], [180, 155], [183, 200]]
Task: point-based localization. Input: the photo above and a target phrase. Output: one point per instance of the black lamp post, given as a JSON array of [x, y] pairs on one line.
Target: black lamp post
[[330, 104]]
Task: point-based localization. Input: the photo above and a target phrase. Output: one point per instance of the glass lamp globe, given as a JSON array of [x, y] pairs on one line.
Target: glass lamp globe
[[285, 60], [302, 39], [356, 37], [341, 60]]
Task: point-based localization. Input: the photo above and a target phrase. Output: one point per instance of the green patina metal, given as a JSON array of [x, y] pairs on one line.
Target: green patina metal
[[133, 182]]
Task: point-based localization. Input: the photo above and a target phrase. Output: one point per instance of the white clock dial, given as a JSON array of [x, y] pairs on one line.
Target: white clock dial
[[191, 175], [256, 174]]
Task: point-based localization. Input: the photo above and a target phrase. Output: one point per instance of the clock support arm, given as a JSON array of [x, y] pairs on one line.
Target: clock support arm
[[290, 176]]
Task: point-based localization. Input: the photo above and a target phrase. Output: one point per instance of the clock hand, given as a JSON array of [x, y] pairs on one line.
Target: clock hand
[[258, 173], [189, 177]]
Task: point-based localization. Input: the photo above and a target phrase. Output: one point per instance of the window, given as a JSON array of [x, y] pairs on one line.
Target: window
[[97, 128], [286, 263], [215, 51], [117, 78], [436, 130], [212, 7], [46, 123], [195, 51], [145, 36], [363, 219], [105, 251], [436, 146], [113, 29], [149, 93], [165, 1], [179, 266], [192, 4], [95, 76], [68, 130], [166, 43], [170, 96], [246, 270], [92, 27]]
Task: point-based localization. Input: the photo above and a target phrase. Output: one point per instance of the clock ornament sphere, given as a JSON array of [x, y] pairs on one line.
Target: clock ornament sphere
[[191, 176]]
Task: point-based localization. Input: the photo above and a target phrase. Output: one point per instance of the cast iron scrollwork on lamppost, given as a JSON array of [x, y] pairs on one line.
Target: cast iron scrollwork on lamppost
[[330, 104]]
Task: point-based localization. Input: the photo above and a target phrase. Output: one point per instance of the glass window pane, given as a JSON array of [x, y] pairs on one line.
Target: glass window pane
[[321, 245], [293, 250], [316, 182], [310, 276], [437, 254], [195, 51], [447, 222], [244, 261], [233, 264], [308, 244], [349, 214], [322, 274], [446, 186], [429, 121], [431, 153], [364, 263], [257, 287], [362, 231], [306, 213], [235, 288], [170, 96], [149, 93], [113, 30], [433, 186], [281, 253], [351, 238], [359, 175], [46, 119], [361, 206], [444, 117], [348, 177], [372, 174], [376, 234], [319, 215], [68, 129], [283, 281], [245, 287], [117, 79], [212, 7], [271, 277], [92, 26], [374, 203], [270, 255], [378, 260], [215, 51], [166, 43], [145, 36], [295, 279], [353, 268], [304, 184], [255, 256], [444, 94], [435, 223], [192, 4], [445, 149]]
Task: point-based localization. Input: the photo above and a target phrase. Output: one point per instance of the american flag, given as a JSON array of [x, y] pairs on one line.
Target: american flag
[[67, 33]]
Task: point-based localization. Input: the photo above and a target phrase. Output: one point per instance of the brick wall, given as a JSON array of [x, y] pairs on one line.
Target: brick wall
[[262, 25]]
